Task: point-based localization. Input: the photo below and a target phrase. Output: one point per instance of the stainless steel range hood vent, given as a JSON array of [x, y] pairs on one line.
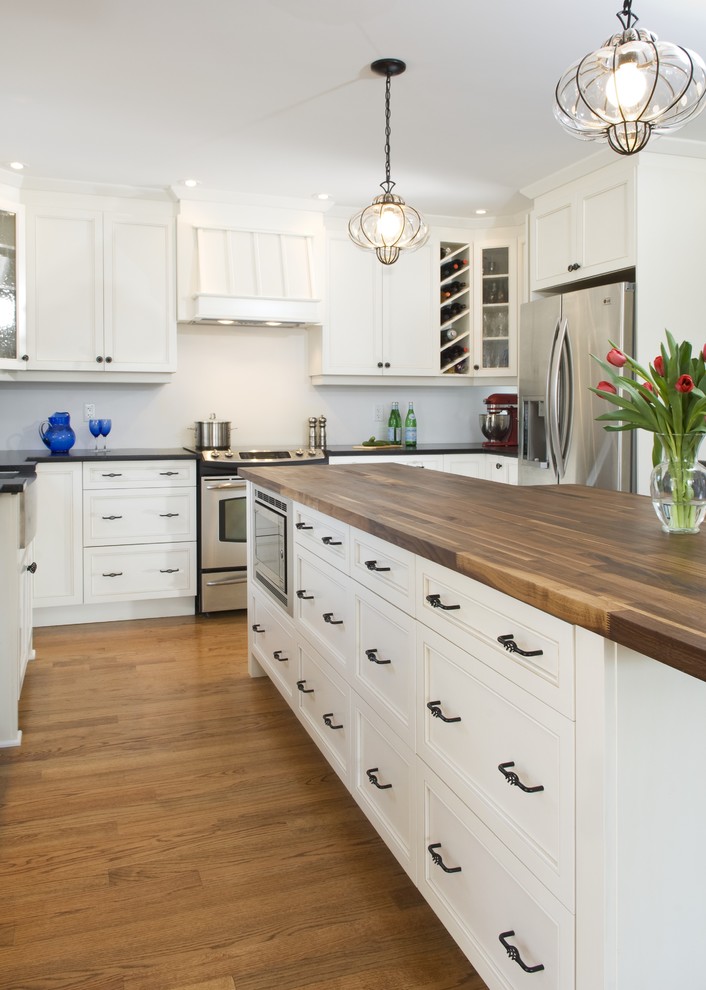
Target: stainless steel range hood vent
[[253, 278]]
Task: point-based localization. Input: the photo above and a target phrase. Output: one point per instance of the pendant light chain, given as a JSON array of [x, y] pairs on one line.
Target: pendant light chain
[[626, 16], [388, 184]]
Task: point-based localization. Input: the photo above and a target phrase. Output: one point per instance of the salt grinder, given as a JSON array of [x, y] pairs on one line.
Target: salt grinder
[[322, 433]]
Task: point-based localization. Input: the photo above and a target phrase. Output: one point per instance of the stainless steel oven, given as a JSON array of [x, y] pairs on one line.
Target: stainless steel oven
[[224, 533], [223, 522], [272, 544]]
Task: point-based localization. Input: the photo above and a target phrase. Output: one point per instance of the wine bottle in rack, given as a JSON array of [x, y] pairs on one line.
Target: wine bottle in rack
[[448, 335]]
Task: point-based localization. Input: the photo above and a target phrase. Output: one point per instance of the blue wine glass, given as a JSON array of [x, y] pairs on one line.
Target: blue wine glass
[[105, 425], [94, 425]]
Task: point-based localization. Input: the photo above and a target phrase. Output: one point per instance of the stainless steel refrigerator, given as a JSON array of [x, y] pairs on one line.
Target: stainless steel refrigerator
[[560, 441]]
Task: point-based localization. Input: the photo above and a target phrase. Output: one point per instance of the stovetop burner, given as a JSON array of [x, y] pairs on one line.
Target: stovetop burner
[[231, 458]]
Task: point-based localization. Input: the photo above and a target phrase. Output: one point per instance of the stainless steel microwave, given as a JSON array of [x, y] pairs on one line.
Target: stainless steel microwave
[[272, 545]]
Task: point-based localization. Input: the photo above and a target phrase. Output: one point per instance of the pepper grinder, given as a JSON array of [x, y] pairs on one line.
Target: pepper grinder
[[313, 422], [322, 433]]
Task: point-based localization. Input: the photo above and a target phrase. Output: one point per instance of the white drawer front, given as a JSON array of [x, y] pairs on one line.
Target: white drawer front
[[384, 568], [323, 607], [495, 723], [136, 474], [383, 776], [139, 516], [490, 895], [326, 537], [324, 708], [477, 618], [384, 661], [116, 574], [273, 644]]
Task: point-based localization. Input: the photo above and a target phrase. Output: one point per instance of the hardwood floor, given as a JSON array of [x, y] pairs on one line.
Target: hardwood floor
[[168, 825]]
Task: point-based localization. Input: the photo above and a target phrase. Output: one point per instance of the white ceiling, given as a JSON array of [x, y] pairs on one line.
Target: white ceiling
[[275, 97]]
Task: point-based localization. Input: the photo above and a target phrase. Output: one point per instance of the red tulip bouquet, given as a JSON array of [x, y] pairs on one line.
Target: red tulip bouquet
[[669, 400]]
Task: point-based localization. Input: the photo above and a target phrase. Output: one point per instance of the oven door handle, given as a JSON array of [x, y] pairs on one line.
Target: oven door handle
[[226, 485], [237, 579]]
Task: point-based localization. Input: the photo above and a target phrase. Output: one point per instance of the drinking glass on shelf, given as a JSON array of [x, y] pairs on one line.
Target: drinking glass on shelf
[[105, 425], [94, 425]]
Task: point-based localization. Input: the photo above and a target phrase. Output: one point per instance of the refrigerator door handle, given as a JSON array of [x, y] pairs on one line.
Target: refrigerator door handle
[[565, 411], [552, 403]]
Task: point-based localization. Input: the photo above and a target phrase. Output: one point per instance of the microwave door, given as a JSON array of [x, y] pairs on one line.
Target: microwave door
[[270, 541]]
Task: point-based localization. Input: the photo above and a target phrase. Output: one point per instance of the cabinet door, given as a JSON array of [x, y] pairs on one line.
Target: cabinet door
[[352, 336], [554, 241], [495, 313], [64, 290], [58, 543], [605, 223], [13, 327], [140, 296], [25, 599], [469, 465], [502, 469], [410, 332]]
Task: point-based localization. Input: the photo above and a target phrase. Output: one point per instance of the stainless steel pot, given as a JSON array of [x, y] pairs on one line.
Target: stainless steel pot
[[212, 433]]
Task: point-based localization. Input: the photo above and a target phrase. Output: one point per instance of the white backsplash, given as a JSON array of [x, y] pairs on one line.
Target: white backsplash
[[256, 378]]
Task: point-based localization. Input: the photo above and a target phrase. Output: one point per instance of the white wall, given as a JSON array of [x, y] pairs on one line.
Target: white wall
[[257, 378]]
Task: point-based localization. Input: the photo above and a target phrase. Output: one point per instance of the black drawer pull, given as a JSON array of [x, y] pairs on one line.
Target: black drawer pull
[[113, 474], [435, 602], [111, 518], [328, 617], [438, 861], [300, 685], [303, 594], [32, 568], [278, 656], [258, 628], [372, 565], [114, 574], [512, 647], [514, 954], [515, 781], [168, 515], [168, 474], [169, 570], [328, 719], [373, 779], [330, 542], [301, 525], [436, 711], [372, 655]]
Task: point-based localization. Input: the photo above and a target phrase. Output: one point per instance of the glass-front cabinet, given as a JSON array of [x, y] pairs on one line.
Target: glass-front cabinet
[[12, 286], [477, 307]]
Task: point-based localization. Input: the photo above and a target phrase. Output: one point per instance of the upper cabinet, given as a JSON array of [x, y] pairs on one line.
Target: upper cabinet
[[378, 317], [101, 292], [584, 229], [443, 313], [12, 285]]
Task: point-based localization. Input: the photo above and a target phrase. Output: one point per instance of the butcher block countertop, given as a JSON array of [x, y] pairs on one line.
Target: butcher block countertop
[[594, 558]]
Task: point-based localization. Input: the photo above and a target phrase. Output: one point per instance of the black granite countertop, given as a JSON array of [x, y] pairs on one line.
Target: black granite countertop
[[12, 459], [341, 450]]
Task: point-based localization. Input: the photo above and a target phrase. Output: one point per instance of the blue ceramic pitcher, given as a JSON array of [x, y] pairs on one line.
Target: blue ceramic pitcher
[[58, 434]]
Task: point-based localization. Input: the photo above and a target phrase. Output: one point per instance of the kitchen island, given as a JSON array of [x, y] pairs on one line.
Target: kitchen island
[[598, 871]]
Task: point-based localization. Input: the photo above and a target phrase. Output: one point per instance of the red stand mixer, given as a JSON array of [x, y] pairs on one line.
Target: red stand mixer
[[499, 423]]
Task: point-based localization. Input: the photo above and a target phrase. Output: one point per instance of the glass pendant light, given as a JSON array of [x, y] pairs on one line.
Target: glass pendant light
[[388, 225], [632, 87]]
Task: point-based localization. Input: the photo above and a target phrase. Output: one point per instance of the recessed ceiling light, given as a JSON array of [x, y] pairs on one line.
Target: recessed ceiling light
[[18, 166], [273, 323], [191, 183], [226, 323], [481, 213], [322, 196]]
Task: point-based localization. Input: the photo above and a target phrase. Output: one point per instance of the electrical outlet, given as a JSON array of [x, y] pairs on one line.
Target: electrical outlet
[[89, 411], [379, 412]]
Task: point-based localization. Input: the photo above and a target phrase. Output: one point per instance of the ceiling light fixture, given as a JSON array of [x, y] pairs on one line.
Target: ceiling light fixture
[[18, 166], [388, 225], [192, 183], [632, 87]]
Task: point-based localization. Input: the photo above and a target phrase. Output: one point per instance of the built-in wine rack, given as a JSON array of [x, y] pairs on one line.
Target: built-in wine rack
[[455, 308]]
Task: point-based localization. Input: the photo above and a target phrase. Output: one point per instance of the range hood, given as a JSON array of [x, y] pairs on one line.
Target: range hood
[[253, 278]]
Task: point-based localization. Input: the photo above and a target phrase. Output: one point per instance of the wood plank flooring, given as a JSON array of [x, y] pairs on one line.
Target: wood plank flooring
[[168, 825]]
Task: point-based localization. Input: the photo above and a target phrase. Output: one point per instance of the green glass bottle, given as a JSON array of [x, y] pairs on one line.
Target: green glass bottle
[[410, 428], [394, 424]]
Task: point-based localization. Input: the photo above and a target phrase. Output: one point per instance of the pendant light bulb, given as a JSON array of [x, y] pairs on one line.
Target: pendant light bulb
[[388, 225], [632, 87]]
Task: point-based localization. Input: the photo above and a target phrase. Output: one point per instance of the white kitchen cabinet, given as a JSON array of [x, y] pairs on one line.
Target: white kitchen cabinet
[[584, 228], [115, 540], [100, 291], [273, 643], [323, 699], [13, 337], [434, 462], [488, 467], [496, 307], [59, 539], [379, 319]]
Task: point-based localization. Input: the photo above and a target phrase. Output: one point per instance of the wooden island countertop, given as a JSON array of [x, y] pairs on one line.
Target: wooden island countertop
[[595, 558]]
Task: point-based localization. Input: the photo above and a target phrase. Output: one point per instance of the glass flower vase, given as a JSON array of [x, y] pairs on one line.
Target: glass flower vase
[[678, 483]]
